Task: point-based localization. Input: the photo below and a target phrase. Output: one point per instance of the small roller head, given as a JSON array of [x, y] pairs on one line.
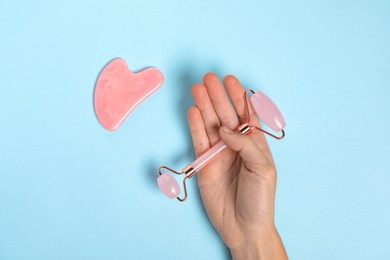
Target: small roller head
[[168, 185]]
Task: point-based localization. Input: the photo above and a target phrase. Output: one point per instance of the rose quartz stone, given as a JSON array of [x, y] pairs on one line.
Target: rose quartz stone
[[119, 91], [268, 112], [168, 185]]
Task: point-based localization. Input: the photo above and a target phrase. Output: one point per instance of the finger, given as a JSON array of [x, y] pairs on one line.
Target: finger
[[237, 94], [253, 158], [222, 106], [198, 131], [210, 118]]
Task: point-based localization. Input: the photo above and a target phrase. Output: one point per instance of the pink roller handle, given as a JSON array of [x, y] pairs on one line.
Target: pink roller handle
[[207, 156]]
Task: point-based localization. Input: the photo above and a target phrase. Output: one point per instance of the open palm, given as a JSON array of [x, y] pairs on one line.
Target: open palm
[[238, 189]]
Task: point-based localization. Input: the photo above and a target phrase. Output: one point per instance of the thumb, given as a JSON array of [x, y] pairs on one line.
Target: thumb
[[252, 156]]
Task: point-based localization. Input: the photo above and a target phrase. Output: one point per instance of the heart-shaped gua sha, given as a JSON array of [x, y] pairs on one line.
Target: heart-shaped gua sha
[[119, 91]]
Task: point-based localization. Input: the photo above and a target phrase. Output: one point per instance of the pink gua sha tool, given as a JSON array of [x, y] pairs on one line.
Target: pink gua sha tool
[[265, 109], [119, 91]]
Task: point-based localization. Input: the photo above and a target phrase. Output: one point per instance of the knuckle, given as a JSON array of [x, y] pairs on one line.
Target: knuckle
[[230, 121]]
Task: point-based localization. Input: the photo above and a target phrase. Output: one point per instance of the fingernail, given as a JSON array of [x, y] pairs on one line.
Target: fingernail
[[227, 130]]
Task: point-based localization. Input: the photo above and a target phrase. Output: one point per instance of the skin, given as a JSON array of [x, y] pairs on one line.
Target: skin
[[238, 186]]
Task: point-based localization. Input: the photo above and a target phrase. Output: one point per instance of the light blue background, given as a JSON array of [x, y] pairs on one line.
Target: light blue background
[[71, 190]]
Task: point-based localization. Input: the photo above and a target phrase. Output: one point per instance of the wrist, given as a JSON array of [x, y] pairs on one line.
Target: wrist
[[247, 251], [267, 246]]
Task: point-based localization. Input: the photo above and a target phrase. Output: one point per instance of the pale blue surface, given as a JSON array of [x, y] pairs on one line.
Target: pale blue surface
[[71, 190]]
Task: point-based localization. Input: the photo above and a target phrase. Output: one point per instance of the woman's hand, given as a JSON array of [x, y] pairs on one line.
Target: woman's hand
[[238, 185]]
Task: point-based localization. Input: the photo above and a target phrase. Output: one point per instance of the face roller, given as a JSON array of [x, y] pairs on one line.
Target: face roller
[[265, 109]]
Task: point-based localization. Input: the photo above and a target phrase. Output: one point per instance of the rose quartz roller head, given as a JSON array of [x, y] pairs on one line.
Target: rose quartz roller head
[[265, 109]]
